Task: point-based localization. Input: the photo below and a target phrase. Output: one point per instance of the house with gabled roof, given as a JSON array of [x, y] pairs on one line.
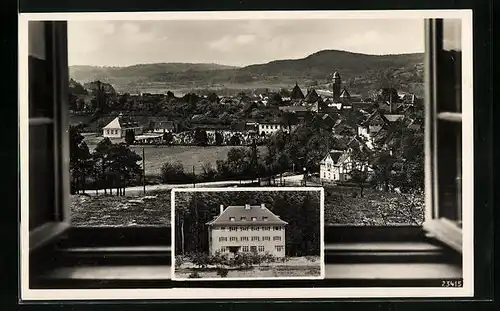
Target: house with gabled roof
[[164, 126], [372, 125], [247, 229], [296, 93], [312, 96], [343, 128], [120, 125], [337, 165]]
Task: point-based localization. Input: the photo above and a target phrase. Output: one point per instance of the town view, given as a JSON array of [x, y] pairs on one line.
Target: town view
[[350, 122]]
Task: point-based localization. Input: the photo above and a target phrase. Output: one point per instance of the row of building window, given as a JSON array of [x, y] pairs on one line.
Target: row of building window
[[246, 249], [112, 132], [271, 127], [243, 218], [245, 238], [252, 228]]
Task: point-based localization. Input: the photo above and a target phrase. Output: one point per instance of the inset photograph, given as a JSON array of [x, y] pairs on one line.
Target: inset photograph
[[247, 233]]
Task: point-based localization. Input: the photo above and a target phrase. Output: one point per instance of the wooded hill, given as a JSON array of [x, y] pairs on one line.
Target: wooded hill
[[360, 73]]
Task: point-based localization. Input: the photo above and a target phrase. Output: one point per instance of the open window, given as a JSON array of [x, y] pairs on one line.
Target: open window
[[91, 248], [49, 206], [443, 218]]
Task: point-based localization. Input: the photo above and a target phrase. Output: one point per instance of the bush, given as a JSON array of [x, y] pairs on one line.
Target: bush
[[209, 173], [311, 258], [179, 260], [201, 260], [173, 172], [194, 275], [222, 272]]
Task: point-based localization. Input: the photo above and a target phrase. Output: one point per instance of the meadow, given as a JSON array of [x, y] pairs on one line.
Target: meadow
[[375, 208], [188, 156]]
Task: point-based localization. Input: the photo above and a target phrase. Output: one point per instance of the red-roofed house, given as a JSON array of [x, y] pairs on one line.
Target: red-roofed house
[[247, 228]]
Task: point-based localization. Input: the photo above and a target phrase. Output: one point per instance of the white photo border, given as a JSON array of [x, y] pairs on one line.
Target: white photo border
[[254, 189]]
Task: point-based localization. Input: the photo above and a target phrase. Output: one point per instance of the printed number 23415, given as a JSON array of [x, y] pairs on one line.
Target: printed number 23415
[[452, 283]]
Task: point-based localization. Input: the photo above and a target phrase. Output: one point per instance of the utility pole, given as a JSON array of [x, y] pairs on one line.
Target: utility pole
[[143, 172], [194, 179]]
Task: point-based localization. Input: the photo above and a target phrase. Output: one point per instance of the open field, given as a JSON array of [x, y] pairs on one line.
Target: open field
[[375, 208], [189, 156], [125, 211], [295, 267]]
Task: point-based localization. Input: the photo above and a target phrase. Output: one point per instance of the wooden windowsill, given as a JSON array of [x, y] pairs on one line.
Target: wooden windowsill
[[445, 231], [333, 271], [360, 264], [46, 233]]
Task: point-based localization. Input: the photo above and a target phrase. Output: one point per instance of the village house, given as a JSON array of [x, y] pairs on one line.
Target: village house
[[269, 128], [337, 166], [373, 126], [118, 127], [343, 128], [312, 96], [247, 229], [164, 127]]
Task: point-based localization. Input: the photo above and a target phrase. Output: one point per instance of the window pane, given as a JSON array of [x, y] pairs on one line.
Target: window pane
[[40, 98], [450, 67], [450, 170], [41, 180]]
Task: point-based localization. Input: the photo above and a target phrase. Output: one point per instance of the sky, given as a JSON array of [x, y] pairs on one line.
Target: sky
[[235, 42]]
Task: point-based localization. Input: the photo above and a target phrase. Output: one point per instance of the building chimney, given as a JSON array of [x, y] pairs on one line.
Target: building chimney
[[263, 205], [247, 206], [221, 208]]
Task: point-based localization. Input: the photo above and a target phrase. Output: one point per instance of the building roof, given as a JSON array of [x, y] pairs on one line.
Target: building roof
[[345, 94], [393, 117], [293, 108], [249, 106], [334, 154], [164, 125], [312, 95], [261, 214], [376, 118], [357, 142], [121, 122], [296, 92]]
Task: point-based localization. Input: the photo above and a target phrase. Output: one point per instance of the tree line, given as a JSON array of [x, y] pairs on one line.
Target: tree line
[[110, 166], [301, 209]]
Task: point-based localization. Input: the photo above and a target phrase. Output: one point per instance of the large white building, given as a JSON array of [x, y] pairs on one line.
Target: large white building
[[118, 127], [247, 229]]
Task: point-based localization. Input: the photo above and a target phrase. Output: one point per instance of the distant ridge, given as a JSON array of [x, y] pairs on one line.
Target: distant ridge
[[360, 73]]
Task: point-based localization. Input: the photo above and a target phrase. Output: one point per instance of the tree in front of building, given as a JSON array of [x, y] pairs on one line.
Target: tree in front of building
[[129, 137]]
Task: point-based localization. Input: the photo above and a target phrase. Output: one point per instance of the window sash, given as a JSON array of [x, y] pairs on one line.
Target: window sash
[[57, 121], [439, 120]]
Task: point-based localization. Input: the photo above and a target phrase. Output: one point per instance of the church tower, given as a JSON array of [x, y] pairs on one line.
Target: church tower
[[337, 82]]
